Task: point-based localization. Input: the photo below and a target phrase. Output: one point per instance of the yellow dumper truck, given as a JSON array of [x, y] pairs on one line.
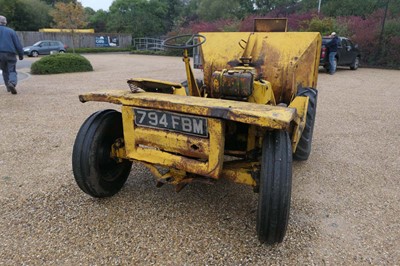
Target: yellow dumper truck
[[252, 113]]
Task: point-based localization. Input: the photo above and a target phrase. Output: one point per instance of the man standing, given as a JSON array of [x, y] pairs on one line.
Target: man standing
[[332, 46], [10, 46]]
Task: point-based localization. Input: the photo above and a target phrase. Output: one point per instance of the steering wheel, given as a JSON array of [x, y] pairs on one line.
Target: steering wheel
[[190, 43]]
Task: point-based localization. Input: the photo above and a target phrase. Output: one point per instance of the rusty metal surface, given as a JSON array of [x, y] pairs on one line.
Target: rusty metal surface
[[286, 59], [171, 144], [274, 117], [301, 105], [241, 172], [153, 85], [232, 83], [270, 24], [190, 146]]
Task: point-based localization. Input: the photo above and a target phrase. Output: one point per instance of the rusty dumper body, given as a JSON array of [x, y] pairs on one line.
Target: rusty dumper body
[[252, 115]]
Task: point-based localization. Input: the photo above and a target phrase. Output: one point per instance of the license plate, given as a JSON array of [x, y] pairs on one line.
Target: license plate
[[171, 121]]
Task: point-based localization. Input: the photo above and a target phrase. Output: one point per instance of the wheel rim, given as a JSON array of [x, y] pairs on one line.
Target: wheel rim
[[107, 165], [35, 54]]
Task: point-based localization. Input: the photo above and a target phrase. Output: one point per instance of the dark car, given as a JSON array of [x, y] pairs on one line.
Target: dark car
[[348, 54], [45, 47]]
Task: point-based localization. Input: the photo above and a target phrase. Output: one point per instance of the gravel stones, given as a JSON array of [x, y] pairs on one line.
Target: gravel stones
[[345, 198]]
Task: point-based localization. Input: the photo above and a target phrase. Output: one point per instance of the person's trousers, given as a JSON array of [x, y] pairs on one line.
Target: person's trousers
[[332, 62], [8, 62]]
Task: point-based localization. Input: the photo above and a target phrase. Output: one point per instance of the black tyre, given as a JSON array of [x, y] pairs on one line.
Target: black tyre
[[186, 85], [275, 187], [355, 64], [303, 149], [96, 173], [35, 53]]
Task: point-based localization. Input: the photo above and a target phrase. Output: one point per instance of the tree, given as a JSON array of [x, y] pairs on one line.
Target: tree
[[139, 17], [69, 16], [174, 12], [349, 7], [211, 10], [265, 6], [98, 20], [53, 2], [26, 15]]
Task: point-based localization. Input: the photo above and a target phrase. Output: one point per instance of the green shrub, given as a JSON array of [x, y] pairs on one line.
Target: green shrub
[[98, 50], [61, 63], [166, 52]]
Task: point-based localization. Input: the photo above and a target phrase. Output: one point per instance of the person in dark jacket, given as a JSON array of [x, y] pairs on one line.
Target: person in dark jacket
[[10, 47], [332, 46]]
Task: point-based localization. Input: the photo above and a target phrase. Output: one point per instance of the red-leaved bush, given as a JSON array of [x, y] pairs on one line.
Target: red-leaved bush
[[377, 48]]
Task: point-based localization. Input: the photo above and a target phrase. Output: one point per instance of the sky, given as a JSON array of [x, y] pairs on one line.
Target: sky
[[97, 4]]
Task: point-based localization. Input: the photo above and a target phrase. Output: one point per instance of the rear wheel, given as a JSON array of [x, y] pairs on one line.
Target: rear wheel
[[186, 85], [275, 187], [303, 149], [95, 172]]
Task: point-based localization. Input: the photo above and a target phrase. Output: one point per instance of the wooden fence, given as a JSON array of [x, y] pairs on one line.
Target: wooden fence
[[82, 40]]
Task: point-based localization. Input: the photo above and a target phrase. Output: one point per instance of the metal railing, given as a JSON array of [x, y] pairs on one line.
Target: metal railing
[[148, 44]]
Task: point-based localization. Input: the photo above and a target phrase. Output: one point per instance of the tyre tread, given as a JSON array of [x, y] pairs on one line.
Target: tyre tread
[[303, 149], [275, 188]]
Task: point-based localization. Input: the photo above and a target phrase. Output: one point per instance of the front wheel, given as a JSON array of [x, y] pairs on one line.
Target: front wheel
[[275, 187], [35, 53], [95, 171]]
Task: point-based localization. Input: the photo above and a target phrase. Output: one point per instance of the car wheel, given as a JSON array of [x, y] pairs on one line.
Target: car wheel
[[35, 53], [355, 64], [303, 149], [95, 171], [61, 51], [275, 187]]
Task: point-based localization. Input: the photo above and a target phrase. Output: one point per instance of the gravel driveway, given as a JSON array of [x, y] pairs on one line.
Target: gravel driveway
[[345, 198]]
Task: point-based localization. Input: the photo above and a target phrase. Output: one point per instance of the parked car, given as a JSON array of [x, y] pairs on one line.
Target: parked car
[[348, 54], [45, 47]]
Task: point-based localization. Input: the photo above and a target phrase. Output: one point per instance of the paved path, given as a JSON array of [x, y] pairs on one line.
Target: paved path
[[22, 66]]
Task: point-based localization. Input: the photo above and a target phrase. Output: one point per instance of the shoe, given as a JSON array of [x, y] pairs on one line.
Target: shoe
[[11, 87]]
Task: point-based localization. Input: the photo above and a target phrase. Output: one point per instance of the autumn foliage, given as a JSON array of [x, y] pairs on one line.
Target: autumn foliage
[[378, 48]]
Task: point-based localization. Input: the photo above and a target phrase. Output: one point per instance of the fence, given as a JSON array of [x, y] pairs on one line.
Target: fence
[[82, 40], [148, 44]]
